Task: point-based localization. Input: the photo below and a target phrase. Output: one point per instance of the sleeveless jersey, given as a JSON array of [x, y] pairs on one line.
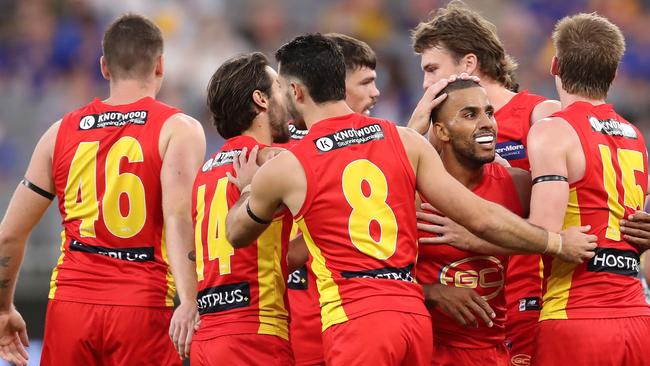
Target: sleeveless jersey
[[513, 122], [106, 168], [305, 326], [241, 291], [614, 186], [358, 218], [524, 273], [485, 274]]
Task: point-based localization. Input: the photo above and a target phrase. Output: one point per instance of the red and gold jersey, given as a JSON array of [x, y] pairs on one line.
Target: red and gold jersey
[[358, 218], [446, 265], [614, 186], [106, 168], [240, 290], [513, 121]]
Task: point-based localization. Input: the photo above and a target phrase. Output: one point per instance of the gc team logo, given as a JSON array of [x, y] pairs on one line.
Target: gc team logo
[[520, 360], [87, 122], [324, 144], [484, 273]]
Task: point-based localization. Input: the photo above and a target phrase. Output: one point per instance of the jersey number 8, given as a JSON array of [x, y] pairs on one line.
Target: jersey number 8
[[369, 208]]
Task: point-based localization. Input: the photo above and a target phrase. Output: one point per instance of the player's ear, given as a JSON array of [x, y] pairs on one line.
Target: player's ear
[[554, 66], [260, 99], [439, 132], [160, 66], [104, 68], [470, 63], [298, 92]]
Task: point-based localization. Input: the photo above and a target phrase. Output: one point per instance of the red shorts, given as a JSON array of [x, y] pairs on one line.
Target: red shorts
[[453, 356], [387, 338], [520, 336], [242, 350], [90, 334], [593, 342]]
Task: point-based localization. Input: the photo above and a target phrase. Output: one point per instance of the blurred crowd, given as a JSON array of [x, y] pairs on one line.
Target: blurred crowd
[[49, 52]]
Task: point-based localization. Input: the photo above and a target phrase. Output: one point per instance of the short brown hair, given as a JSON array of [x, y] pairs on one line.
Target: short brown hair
[[588, 49], [131, 45], [230, 92], [357, 53], [462, 31]]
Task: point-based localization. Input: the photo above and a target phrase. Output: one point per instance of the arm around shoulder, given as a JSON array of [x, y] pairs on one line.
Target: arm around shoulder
[[485, 219], [253, 212]]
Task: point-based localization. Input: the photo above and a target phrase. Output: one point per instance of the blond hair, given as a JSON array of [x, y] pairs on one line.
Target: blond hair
[[588, 49]]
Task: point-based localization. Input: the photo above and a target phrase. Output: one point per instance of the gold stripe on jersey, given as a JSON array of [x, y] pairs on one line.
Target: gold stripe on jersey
[[55, 271], [332, 311], [171, 286], [272, 285], [294, 231], [559, 282]]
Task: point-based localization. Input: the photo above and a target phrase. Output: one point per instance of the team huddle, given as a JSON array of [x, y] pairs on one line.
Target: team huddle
[[498, 228]]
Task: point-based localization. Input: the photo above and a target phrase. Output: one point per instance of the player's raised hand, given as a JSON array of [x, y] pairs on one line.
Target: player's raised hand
[[245, 168], [577, 246], [13, 337], [636, 229], [182, 327], [463, 304], [421, 117]]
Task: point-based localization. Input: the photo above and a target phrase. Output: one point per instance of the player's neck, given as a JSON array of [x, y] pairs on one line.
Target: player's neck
[[497, 94], [324, 111], [130, 91], [260, 130], [465, 172], [567, 99]]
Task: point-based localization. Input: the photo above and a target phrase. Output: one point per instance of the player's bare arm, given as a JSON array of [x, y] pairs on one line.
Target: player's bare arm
[[25, 210], [182, 148], [449, 232], [550, 141], [485, 219], [281, 180]]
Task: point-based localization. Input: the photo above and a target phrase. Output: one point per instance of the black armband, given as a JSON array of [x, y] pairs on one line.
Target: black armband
[[37, 189], [255, 218], [550, 178]]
